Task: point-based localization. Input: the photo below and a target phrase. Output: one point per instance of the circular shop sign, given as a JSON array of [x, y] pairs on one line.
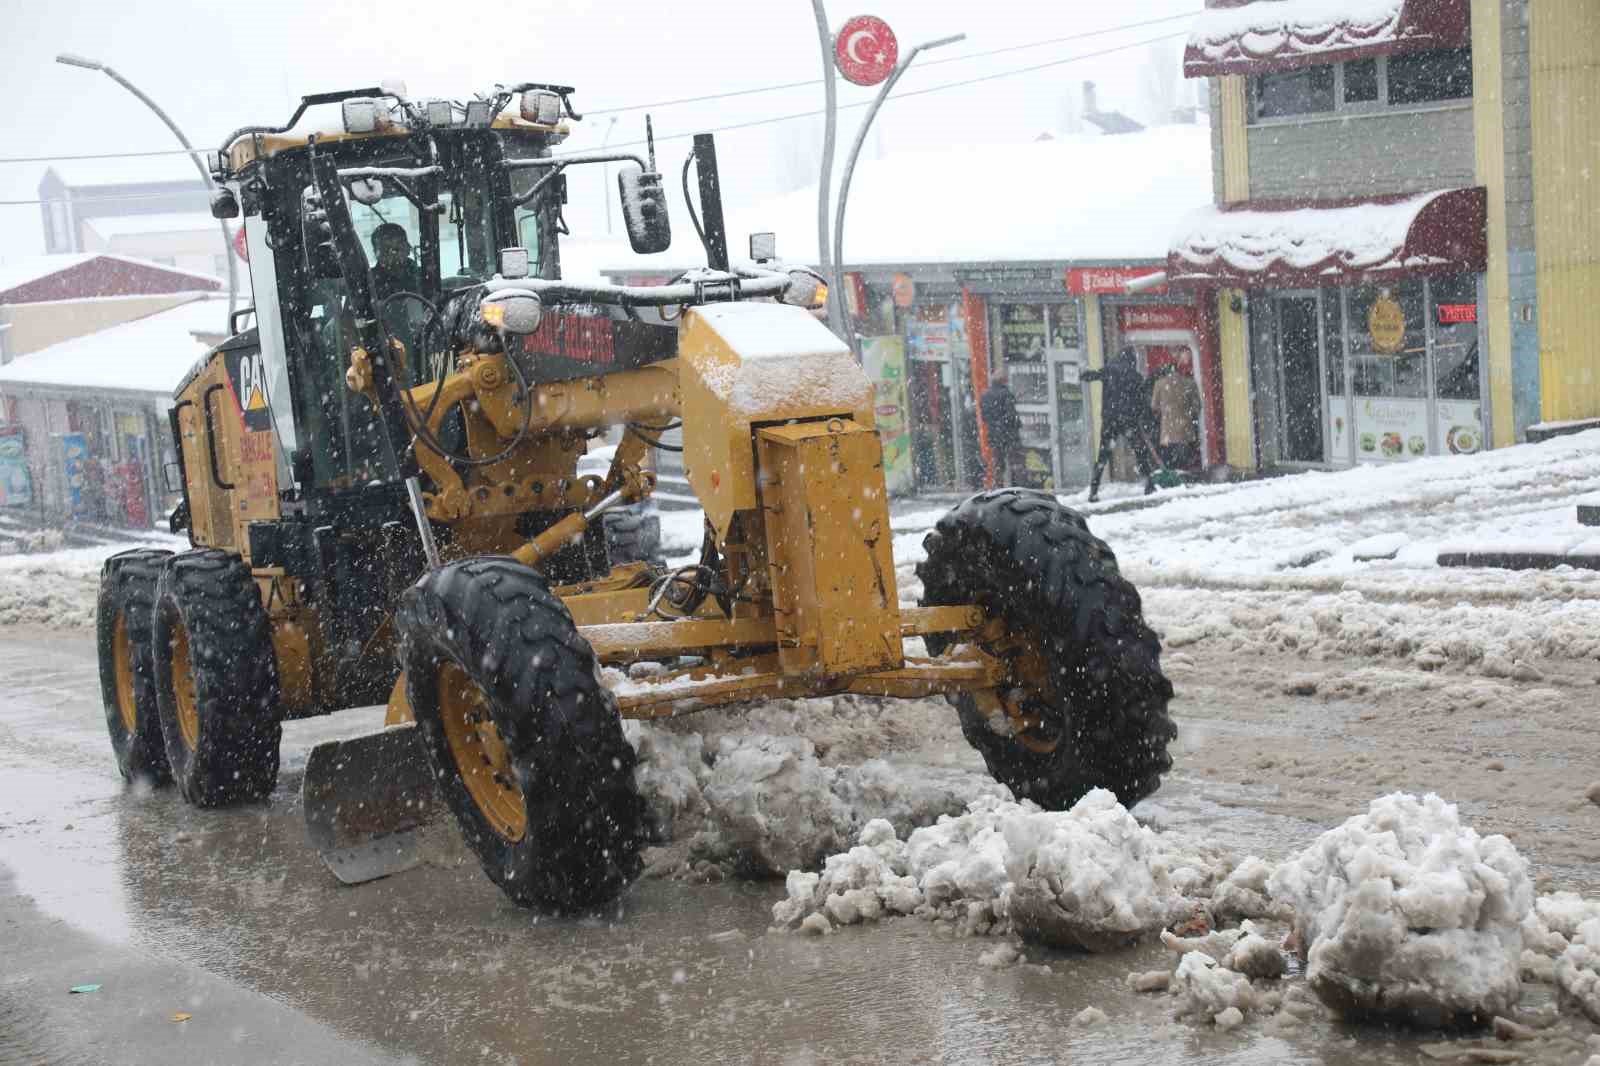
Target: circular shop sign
[[1386, 322], [865, 50]]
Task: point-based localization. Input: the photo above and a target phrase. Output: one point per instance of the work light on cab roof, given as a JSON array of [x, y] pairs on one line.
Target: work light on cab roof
[[382, 491]]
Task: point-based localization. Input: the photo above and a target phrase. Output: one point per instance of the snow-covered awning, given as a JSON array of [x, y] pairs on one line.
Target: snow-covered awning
[[1254, 244], [1282, 34]]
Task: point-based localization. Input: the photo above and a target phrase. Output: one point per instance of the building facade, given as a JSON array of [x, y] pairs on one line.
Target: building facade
[[1404, 250]]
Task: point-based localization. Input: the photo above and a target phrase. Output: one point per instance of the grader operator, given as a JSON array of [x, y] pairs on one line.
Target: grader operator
[[382, 498]]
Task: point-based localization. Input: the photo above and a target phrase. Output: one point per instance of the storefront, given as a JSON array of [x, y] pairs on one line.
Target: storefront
[[1363, 319]]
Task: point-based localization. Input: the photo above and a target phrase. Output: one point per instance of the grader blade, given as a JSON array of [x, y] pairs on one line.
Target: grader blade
[[365, 800]]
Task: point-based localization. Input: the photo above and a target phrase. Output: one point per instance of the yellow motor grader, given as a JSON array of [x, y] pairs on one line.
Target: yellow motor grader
[[380, 485]]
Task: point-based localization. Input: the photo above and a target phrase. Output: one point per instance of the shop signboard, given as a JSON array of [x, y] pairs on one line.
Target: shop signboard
[[1460, 425], [1111, 281], [1389, 429], [74, 454], [16, 484], [1386, 324], [1136, 317], [884, 359], [927, 336], [997, 280]]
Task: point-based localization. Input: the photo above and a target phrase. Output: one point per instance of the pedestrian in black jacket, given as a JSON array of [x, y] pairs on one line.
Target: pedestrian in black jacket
[[1124, 413], [999, 409]]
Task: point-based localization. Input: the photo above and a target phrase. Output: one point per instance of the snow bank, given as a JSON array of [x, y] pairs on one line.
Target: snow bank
[[1578, 970], [766, 804], [59, 588], [1089, 878], [1405, 913]]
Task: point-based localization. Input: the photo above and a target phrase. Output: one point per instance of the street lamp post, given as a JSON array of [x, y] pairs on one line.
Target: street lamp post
[[227, 244], [837, 308]]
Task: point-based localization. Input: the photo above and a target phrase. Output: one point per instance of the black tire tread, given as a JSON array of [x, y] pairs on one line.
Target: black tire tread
[[498, 621], [128, 586], [235, 673], [1024, 556]]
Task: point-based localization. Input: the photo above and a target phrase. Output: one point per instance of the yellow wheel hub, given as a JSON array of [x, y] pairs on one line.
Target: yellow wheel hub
[[183, 689], [1030, 672], [481, 756], [122, 667]]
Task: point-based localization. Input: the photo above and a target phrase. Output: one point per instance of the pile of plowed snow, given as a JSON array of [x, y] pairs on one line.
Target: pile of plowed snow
[[1404, 912], [58, 588]]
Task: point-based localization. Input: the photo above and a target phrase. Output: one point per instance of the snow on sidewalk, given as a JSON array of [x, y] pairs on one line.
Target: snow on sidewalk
[[59, 588]]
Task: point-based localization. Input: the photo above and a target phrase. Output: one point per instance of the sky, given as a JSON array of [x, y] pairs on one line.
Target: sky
[[216, 67]]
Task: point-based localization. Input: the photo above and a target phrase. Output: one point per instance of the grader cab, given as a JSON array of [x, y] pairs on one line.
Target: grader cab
[[380, 488]]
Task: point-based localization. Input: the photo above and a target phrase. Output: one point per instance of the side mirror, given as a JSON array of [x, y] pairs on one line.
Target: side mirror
[[172, 476], [644, 210], [224, 204]]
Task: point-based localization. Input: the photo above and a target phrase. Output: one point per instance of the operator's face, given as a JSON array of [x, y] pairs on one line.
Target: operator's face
[[393, 252]]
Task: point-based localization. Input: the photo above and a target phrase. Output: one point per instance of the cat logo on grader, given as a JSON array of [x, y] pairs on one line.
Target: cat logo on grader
[[412, 530]]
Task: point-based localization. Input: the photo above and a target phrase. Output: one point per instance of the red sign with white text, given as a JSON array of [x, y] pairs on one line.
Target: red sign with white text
[[1455, 314], [1110, 280], [865, 50], [1156, 316]]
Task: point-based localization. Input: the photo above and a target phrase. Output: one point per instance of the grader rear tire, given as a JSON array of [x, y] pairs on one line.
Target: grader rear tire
[[525, 743], [216, 680], [1096, 686], [127, 676]]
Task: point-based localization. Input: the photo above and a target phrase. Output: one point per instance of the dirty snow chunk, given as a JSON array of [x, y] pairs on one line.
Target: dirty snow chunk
[[1405, 913], [1243, 893], [861, 885], [816, 925], [1205, 989], [1217, 944], [1578, 970], [1090, 1016], [670, 774], [1256, 956], [1149, 981], [773, 802], [1554, 921], [1085, 877], [1000, 956], [1228, 1019]]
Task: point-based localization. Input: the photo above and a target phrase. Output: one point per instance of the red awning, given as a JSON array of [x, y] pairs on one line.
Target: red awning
[[1257, 244], [1282, 34]]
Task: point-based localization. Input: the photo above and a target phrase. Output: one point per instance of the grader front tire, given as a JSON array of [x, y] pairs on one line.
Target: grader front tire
[[127, 676], [526, 745], [216, 680], [1089, 666]]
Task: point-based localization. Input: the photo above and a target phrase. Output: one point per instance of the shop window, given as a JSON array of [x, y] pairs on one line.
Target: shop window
[[1453, 307], [1361, 81], [1293, 92], [1333, 341], [1388, 341], [1363, 85], [1423, 77]]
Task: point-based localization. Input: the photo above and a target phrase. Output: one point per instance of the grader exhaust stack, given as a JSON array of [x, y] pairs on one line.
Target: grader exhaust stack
[[385, 504]]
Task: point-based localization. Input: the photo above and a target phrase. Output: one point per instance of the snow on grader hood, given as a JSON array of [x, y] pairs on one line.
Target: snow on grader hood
[[384, 506]]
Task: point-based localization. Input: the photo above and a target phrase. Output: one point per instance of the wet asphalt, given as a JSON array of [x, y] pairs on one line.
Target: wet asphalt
[[228, 917]]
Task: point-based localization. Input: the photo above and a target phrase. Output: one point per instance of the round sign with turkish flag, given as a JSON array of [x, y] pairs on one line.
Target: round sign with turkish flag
[[865, 50], [239, 247]]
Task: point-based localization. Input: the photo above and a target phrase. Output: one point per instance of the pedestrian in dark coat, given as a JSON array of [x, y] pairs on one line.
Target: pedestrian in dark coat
[[1124, 414], [999, 410]]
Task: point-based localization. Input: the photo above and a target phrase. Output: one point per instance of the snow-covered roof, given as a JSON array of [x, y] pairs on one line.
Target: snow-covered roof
[[1279, 34], [17, 272], [126, 170], [1324, 244], [1087, 198], [113, 226], [150, 354]]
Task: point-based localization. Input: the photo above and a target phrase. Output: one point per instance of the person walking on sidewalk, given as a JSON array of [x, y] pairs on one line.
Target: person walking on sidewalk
[[999, 410], [1124, 413], [1175, 399]]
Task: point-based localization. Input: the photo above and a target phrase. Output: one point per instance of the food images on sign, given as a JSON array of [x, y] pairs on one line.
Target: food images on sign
[[1022, 332]]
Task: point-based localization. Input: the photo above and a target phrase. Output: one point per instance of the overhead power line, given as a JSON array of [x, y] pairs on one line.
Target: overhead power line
[[771, 120]]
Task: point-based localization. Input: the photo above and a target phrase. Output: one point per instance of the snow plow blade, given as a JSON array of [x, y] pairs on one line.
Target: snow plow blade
[[365, 799]]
